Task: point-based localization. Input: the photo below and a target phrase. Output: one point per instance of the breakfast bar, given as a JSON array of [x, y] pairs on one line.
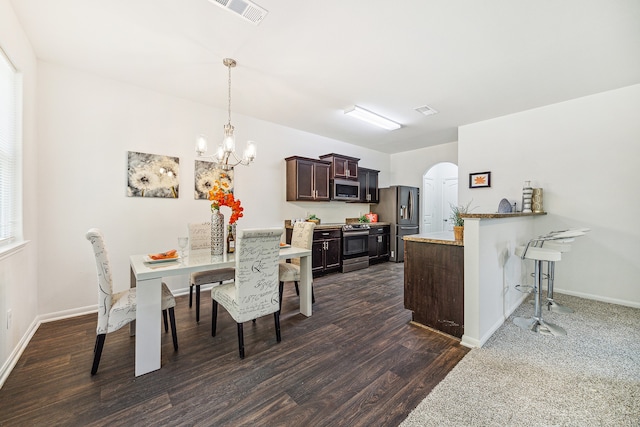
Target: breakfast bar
[[466, 288]]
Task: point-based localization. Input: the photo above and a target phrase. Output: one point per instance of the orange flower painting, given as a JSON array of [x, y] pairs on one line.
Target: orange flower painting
[[480, 179]]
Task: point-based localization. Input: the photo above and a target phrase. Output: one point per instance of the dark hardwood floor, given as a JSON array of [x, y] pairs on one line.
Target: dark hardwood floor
[[356, 362]]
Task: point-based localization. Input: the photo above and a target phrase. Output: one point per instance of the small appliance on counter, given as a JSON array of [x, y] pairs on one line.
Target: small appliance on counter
[[400, 206]]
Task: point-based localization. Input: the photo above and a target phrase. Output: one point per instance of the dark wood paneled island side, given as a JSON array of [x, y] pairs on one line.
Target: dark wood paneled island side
[[434, 281]]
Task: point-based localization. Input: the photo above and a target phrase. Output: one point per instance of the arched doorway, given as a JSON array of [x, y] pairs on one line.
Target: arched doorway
[[440, 191]]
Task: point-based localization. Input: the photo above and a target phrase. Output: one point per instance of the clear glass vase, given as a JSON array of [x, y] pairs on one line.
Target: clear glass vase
[[217, 232]]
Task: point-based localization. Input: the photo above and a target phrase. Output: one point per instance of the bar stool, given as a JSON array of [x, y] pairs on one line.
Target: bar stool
[[535, 323], [562, 248], [558, 241]]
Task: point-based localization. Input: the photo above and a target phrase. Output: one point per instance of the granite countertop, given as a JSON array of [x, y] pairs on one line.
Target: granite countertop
[[336, 226], [440, 237], [500, 215]]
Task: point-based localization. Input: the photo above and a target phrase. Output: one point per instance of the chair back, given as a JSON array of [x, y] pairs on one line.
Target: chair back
[[105, 283], [199, 235], [256, 280], [302, 237]]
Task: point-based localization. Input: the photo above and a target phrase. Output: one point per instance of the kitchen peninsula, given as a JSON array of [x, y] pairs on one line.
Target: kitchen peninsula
[[434, 281], [467, 289]]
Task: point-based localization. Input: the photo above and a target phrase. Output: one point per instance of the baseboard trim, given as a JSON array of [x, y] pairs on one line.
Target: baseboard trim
[[17, 352]]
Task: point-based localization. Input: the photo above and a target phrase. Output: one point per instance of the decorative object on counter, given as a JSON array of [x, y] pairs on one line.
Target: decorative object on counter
[[313, 218], [372, 217], [152, 175], [505, 206], [220, 198], [226, 157], [364, 218], [536, 200], [527, 193], [480, 179], [458, 221]]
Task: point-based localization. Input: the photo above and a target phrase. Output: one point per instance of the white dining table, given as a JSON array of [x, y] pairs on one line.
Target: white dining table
[[147, 278]]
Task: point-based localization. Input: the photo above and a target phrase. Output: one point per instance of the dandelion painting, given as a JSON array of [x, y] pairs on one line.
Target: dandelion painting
[[208, 178], [152, 175]]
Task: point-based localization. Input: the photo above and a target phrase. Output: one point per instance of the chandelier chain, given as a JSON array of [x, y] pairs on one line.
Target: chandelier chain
[[229, 97]]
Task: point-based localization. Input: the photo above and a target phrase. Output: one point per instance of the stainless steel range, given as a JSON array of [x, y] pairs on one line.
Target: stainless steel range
[[355, 247]]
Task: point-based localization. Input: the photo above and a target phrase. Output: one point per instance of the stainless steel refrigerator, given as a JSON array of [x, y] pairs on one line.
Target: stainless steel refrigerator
[[400, 206]]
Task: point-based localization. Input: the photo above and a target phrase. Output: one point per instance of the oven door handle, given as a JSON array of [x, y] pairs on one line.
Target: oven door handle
[[355, 233]]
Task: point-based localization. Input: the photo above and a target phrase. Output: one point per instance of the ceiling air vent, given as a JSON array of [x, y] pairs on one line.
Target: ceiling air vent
[[426, 110], [247, 10]]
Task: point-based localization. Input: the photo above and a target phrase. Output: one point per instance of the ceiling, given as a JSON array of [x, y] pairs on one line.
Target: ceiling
[[308, 60]]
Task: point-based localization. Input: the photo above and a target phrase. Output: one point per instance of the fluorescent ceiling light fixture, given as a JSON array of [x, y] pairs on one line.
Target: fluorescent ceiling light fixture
[[426, 110], [372, 118]]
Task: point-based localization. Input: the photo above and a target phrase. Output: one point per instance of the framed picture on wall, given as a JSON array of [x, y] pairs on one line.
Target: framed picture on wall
[[152, 175], [207, 177], [480, 179]]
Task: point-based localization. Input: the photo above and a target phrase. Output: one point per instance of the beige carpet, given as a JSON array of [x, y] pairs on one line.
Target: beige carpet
[[591, 377]]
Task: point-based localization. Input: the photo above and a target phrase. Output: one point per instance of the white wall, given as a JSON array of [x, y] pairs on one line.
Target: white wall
[[407, 168], [584, 153], [86, 126], [18, 286]]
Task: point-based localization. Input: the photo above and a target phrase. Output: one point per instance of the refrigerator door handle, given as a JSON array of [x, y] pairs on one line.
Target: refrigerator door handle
[[410, 205]]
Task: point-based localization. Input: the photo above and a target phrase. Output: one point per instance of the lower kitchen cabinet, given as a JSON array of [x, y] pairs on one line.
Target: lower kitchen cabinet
[[434, 285], [326, 251], [379, 239]]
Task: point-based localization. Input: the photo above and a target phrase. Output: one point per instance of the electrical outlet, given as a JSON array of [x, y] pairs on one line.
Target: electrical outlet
[[9, 319], [392, 254]]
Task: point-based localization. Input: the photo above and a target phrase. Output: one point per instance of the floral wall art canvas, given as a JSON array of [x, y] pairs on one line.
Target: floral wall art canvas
[[152, 175], [208, 177]]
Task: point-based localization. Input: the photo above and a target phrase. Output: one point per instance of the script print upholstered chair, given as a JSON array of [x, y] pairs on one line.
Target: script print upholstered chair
[[302, 237], [118, 309], [200, 239], [254, 292]]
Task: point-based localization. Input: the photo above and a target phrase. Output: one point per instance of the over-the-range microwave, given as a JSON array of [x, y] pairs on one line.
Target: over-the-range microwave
[[342, 189]]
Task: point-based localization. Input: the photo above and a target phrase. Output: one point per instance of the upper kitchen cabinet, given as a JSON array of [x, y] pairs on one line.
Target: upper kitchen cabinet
[[342, 167], [368, 179], [307, 179]]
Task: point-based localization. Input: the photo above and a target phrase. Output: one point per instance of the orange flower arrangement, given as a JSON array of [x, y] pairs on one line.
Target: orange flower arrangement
[[221, 198]]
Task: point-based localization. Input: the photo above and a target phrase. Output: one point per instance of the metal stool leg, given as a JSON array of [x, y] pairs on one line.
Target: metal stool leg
[[551, 304], [535, 323]]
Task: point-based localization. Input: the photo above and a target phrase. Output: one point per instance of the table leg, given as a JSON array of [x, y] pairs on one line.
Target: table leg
[[148, 325], [306, 281], [132, 284]]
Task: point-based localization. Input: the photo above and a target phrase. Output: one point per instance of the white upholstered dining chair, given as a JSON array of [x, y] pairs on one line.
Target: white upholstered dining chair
[[117, 309], [200, 238], [301, 237], [254, 292]]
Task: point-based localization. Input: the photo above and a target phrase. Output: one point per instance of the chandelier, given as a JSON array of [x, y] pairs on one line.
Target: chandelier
[[226, 157]]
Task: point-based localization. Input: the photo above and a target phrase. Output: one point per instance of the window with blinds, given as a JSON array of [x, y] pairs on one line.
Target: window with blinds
[[9, 116]]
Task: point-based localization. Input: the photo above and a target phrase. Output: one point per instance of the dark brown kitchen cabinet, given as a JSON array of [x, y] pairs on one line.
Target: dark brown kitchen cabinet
[[368, 179], [434, 285], [379, 243], [307, 179], [342, 167], [326, 251]]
